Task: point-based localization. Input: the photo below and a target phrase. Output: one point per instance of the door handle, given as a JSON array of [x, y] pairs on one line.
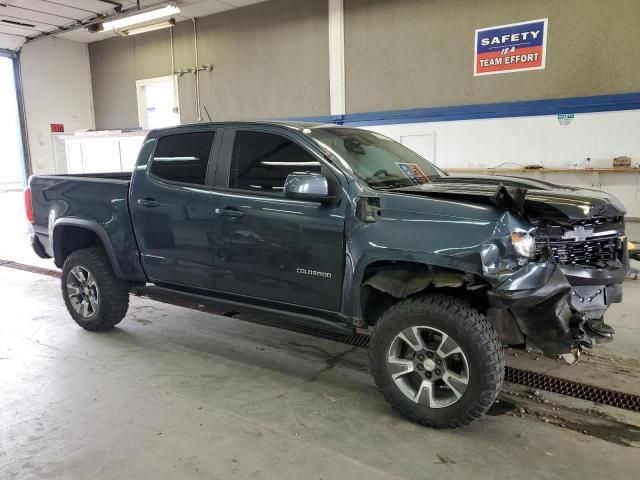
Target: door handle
[[148, 202], [229, 212]]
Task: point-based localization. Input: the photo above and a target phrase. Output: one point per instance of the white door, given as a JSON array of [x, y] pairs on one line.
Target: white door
[[158, 102]]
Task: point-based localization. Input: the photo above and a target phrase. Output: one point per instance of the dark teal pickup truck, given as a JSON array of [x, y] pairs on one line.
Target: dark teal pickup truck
[[347, 230]]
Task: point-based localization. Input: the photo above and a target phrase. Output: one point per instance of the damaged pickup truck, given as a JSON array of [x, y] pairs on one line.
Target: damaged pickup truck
[[347, 230]]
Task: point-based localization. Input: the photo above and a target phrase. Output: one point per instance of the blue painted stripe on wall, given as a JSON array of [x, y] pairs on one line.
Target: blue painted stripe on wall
[[600, 103]]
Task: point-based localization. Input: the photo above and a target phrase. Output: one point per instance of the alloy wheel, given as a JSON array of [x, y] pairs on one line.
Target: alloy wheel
[[428, 366], [83, 291]]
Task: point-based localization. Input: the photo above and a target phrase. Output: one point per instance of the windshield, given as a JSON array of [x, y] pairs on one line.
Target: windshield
[[378, 160]]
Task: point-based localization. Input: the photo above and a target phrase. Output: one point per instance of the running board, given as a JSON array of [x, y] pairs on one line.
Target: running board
[[229, 308]]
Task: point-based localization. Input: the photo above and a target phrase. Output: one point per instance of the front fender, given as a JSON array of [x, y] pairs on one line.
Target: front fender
[[442, 233]]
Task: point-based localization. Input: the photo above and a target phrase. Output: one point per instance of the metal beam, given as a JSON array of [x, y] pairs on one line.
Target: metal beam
[[19, 27], [70, 6], [118, 5], [38, 22], [7, 53], [13, 34], [38, 11], [26, 154]]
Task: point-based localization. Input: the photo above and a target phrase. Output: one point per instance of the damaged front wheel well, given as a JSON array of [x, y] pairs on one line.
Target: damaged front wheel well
[[385, 283]]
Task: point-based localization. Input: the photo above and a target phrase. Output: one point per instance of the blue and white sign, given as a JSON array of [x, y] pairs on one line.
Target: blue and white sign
[[511, 48]]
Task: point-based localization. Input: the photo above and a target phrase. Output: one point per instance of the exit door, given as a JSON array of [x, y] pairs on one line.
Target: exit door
[[158, 102]]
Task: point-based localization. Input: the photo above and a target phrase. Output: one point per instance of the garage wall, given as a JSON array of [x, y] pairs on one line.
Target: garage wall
[[116, 64], [419, 53], [56, 86], [270, 60]]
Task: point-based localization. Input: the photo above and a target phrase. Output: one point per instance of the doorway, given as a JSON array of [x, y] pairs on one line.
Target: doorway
[[158, 102], [12, 171], [14, 244]]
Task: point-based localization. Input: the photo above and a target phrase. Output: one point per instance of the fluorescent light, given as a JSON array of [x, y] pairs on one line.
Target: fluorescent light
[[141, 18], [146, 28]]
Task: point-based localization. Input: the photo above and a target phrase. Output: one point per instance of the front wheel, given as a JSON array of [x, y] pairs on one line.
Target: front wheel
[[96, 299], [437, 360]]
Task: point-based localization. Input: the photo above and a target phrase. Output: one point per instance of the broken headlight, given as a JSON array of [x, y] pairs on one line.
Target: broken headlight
[[524, 243]]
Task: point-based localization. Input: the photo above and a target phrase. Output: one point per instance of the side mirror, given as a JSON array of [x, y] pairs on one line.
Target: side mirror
[[313, 187]]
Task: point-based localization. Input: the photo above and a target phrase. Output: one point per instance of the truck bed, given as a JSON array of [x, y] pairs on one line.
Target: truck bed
[[97, 202]]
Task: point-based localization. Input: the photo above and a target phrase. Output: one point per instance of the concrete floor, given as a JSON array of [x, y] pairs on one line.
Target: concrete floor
[[174, 393], [14, 242]]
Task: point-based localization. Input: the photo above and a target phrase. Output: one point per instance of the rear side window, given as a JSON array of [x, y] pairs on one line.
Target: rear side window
[[261, 162], [183, 157]]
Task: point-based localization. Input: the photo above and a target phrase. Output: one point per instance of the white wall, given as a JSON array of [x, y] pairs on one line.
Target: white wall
[[57, 89], [530, 140], [541, 140]]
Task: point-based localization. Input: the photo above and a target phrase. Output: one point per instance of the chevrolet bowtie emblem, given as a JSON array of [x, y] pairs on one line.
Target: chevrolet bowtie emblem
[[579, 234]]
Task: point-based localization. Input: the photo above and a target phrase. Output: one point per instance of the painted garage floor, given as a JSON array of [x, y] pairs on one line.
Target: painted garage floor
[[179, 394]]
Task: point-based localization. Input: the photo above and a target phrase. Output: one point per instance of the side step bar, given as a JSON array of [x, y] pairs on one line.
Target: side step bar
[[226, 305]]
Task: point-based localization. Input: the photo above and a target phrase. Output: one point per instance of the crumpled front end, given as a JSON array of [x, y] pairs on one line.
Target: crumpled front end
[[558, 300]]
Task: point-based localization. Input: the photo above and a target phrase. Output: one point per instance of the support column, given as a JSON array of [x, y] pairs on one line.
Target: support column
[[336, 58]]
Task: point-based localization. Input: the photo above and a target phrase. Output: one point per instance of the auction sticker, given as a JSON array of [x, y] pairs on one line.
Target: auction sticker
[[511, 48], [413, 173]]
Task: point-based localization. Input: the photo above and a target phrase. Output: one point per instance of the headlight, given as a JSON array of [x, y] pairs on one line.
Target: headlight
[[524, 243]]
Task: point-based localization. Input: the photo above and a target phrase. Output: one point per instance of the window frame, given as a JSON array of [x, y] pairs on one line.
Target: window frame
[[211, 161], [226, 155]]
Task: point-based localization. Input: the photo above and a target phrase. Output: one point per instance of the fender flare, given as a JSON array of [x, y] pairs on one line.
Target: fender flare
[[95, 227]]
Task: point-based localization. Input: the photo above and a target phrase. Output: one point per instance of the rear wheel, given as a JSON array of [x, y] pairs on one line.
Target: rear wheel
[[437, 360], [96, 299]]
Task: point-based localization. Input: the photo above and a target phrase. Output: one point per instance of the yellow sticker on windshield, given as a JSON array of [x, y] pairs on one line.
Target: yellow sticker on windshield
[[412, 172]]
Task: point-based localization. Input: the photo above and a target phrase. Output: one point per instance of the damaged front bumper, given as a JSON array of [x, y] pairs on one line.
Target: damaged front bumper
[[557, 308]]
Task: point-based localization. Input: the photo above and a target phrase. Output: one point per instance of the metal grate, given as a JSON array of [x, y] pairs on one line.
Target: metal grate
[[603, 396], [589, 252]]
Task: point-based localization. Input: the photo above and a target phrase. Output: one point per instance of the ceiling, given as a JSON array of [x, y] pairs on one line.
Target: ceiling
[[21, 19]]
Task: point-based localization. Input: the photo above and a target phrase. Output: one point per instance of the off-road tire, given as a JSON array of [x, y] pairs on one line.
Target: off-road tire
[[114, 294], [475, 336]]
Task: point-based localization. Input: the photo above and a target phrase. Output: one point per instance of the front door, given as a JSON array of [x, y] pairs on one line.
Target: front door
[[267, 246], [171, 210]]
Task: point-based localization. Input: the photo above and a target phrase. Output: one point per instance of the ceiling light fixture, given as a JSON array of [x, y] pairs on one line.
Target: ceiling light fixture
[[158, 18], [125, 32]]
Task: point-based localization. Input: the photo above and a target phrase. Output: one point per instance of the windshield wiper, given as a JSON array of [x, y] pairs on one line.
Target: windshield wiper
[[388, 186]]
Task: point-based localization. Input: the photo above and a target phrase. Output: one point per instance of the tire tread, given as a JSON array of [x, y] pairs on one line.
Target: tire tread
[[476, 326], [114, 293]]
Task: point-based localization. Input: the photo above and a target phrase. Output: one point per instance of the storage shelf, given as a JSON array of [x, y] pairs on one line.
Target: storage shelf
[[543, 170]]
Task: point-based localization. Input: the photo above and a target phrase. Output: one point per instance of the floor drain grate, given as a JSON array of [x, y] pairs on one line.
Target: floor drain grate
[[582, 391]]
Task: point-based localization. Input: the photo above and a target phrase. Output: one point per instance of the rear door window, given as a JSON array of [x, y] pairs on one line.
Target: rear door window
[[261, 162], [183, 157]]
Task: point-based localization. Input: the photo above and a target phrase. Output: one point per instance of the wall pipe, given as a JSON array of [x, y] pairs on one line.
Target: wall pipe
[[195, 72], [173, 58]]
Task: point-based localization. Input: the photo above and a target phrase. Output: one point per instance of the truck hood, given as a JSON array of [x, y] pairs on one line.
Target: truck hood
[[538, 199]]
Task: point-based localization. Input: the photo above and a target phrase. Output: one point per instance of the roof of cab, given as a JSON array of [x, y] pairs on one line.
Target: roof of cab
[[292, 124]]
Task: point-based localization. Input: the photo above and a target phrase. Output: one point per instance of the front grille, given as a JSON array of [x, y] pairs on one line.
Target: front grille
[[593, 252]]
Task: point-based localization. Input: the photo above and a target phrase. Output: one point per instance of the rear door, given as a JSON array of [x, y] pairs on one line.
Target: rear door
[[269, 247], [171, 212]]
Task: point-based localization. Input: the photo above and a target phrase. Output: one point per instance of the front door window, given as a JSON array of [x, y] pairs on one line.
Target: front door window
[[261, 162]]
